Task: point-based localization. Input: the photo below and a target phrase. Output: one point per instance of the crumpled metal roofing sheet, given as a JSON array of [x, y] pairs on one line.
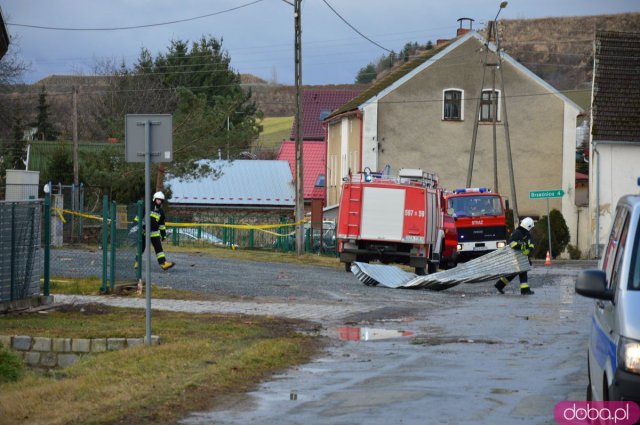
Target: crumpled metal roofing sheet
[[502, 262], [239, 182], [373, 274]]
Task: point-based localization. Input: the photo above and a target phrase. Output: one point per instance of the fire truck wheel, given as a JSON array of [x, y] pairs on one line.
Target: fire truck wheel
[[420, 271], [347, 267]]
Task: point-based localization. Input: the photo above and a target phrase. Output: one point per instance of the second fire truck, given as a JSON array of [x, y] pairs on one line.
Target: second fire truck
[[474, 224]]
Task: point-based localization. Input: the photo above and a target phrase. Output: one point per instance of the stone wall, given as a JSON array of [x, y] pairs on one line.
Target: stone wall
[[62, 352]]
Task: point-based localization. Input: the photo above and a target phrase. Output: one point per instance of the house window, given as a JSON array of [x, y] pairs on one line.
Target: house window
[[487, 105], [324, 113], [452, 105]]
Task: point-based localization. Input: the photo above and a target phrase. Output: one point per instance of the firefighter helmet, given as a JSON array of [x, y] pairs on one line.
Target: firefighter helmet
[[527, 223], [158, 195]]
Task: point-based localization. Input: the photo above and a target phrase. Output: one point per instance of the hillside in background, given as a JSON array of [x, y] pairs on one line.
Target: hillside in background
[[560, 50]]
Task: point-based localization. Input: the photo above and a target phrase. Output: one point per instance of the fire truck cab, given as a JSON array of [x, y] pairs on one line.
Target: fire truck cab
[[474, 224], [391, 219]]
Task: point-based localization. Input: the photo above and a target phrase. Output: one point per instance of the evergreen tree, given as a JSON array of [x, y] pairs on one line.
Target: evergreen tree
[[366, 74], [59, 166], [212, 108], [559, 235], [46, 129]]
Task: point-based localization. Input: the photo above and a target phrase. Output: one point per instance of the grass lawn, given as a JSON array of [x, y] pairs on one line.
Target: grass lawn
[[202, 357], [275, 130], [92, 285]]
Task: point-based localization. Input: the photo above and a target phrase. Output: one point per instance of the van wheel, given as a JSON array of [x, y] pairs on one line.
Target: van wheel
[[420, 271], [347, 267]]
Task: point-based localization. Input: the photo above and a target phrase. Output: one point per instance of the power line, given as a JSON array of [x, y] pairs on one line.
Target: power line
[[354, 28], [134, 26]]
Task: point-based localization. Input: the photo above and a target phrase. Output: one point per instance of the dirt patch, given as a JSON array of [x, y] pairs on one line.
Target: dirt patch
[[86, 309]]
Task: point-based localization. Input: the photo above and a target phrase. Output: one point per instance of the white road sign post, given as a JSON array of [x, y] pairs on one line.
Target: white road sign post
[[547, 194], [148, 138]]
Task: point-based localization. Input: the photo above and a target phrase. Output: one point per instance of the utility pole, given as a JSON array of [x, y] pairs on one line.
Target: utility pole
[[474, 137], [494, 106], [76, 172], [299, 171], [512, 182], [493, 34]]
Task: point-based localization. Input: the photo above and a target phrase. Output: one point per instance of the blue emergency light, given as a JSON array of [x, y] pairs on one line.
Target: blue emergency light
[[472, 189]]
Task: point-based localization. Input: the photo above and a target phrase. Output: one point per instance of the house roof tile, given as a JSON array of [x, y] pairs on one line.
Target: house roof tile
[[388, 80], [616, 88], [317, 105], [314, 163]]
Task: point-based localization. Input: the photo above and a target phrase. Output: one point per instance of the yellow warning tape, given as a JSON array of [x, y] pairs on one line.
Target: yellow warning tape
[[260, 227], [59, 212]]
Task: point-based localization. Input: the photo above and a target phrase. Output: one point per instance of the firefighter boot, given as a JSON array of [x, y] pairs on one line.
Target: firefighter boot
[[525, 290], [167, 265], [500, 285]]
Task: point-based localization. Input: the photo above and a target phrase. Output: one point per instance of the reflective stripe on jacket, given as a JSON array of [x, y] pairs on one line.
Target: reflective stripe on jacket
[[521, 240]]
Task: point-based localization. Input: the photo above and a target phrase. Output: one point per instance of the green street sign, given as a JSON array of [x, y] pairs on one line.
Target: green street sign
[[544, 194]]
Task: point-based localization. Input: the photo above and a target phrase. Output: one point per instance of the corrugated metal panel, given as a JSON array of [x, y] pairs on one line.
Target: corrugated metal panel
[[502, 262], [239, 182]]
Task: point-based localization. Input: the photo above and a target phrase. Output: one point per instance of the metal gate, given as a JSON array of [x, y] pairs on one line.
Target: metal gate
[[20, 252]]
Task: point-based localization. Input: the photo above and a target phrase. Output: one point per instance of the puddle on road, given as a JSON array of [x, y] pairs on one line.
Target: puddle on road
[[353, 333]]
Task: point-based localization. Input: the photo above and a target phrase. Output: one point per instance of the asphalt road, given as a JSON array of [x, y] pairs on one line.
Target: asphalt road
[[469, 355]]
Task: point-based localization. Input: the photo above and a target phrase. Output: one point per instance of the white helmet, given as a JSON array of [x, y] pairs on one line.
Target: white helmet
[[158, 195], [527, 223]]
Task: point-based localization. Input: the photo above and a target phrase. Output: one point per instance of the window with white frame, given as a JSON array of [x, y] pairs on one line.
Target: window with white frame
[[452, 105], [488, 102]]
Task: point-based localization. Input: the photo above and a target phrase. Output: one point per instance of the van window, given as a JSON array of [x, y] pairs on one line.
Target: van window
[[612, 244], [617, 264], [634, 269]]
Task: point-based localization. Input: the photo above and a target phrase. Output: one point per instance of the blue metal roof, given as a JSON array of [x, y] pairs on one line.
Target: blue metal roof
[[238, 182]]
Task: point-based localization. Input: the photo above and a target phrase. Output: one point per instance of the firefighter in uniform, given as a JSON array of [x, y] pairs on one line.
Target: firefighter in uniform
[[520, 239], [158, 231]]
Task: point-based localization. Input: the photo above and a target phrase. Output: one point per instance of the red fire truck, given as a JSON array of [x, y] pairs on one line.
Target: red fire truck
[[474, 224], [391, 219]]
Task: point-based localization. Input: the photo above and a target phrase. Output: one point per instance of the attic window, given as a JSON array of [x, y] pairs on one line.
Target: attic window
[[452, 105], [324, 113], [487, 105], [320, 181]]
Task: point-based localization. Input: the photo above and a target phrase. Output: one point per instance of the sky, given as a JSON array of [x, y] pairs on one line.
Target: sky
[[259, 37]]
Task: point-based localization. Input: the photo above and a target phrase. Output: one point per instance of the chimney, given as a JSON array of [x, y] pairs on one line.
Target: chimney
[[441, 41], [461, 30]]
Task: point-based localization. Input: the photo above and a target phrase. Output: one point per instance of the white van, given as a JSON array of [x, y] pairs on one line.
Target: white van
[[614, 342]]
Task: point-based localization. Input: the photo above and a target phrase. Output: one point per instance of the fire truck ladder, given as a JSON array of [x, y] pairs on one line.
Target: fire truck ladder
[[355, 208]]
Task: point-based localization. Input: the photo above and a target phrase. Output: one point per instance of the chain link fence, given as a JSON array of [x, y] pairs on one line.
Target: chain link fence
[[20, 252], [248, 231]]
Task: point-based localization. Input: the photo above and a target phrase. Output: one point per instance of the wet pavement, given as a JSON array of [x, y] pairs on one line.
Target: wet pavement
[[473, 357], [466, 355]]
